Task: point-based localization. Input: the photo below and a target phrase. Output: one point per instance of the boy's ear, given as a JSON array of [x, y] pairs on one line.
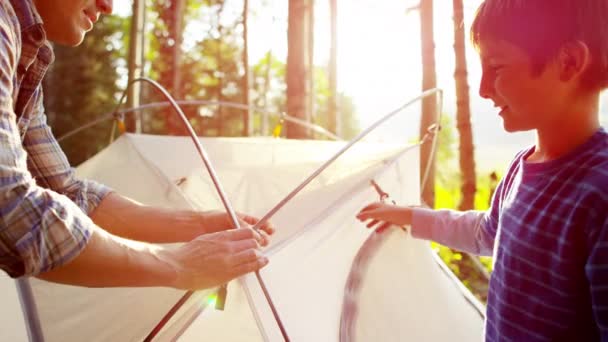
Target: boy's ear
[[573, 59]]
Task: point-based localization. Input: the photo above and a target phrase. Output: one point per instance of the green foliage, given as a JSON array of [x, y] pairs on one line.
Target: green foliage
[[447, 196], [211, 68], [346, 107], [276, 101]]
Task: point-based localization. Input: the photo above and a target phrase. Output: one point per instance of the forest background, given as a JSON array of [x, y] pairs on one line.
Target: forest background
[[338, 65]]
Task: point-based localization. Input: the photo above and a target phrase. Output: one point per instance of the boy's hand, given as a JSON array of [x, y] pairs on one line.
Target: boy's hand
[[382, 216]]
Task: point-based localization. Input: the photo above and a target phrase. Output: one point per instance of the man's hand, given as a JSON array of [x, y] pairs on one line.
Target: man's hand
[[382, 215], [215, 221], [216, 258]]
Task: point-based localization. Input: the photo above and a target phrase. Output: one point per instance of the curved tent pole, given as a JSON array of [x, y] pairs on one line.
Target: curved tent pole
[[114, 114], [274, 210], [294, 192], [432, 130], [221, 193]]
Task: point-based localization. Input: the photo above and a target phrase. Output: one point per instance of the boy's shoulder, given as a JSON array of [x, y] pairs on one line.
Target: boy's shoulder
[[594, 164], [597, 152]]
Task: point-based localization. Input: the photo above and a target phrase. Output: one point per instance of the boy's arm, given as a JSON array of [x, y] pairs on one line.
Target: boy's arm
[[596, 269], [456, 229]]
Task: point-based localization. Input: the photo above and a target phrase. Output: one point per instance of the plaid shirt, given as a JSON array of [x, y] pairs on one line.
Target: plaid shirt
[[43, 207]]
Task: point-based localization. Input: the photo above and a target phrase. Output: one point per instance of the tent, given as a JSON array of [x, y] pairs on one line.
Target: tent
[[396, 291]]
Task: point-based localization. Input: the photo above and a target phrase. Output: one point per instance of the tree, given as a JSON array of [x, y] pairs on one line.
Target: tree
[[245, 62], [135, 63], [463, 113], [296, 67], [269, 85], [168, 33], [334, 122], [310, 63], [213, 69], [429, 104]]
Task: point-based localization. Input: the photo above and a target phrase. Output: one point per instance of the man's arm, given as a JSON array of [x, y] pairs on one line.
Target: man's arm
[[120, 216], [39, 229], [207, 261], [126, 218]]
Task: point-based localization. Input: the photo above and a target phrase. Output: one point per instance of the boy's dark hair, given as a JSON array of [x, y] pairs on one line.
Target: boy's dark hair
[[542, 27]]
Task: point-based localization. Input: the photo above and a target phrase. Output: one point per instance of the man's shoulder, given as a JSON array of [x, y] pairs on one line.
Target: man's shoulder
[[7, 11], [8, 17]]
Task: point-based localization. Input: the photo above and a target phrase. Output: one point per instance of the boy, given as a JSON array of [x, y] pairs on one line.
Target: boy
[[44, 227], [544, 65]]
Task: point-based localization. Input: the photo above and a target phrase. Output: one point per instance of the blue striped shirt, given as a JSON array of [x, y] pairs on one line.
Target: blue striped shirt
[[43, 206], [548, 231]]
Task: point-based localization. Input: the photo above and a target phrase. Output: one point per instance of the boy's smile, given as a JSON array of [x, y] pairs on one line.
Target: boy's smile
[[526, 99]]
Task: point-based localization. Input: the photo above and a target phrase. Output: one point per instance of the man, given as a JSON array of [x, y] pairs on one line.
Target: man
[[44, 227]]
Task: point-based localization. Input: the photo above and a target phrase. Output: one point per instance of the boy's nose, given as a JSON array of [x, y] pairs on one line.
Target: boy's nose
[[486, 88], [104, 6]]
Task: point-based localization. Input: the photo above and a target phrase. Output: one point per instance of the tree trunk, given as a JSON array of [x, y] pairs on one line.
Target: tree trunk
[[429, 104], [171, 14], [135, 64], [178, 30], [265, 125], [245, 87], [334, 119], [296, 68], [220, 80], [310, 45], [463, 113]]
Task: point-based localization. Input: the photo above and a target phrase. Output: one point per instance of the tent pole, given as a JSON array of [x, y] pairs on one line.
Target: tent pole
[[218, 186], [435, 91], [30, 311]]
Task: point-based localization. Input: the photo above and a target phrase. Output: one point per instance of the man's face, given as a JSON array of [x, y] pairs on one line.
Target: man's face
[[526, 100], [67, 21]]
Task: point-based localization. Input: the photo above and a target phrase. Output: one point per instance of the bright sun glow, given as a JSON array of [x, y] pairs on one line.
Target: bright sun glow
[[379, 62]]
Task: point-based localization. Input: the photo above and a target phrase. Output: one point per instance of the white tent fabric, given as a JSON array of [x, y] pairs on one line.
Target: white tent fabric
[[12, 324], [405, 294]]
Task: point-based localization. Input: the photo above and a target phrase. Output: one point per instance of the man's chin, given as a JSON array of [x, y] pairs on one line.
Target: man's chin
[[71, 40]]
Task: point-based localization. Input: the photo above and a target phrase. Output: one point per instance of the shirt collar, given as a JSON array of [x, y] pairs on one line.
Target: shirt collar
[[32, 32], [26, 13]]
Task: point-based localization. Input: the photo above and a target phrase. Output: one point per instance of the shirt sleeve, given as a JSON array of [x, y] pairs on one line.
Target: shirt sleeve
[[596, 269], [39, 228], [456, 229], [470, 231], [50, 167]]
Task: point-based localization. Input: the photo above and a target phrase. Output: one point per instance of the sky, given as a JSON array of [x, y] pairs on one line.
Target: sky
[[379, 65]]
